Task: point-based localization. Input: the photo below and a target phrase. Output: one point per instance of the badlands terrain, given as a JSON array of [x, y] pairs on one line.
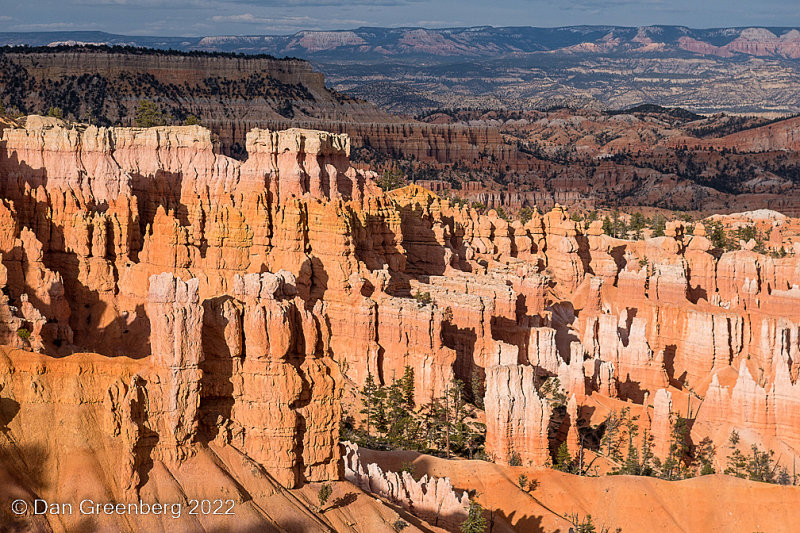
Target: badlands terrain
[[405, 69], [640, 157], [279, 333]]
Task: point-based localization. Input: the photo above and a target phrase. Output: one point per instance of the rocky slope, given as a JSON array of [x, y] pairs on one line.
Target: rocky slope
[[734, 70], [644, 156], [229, 94], [228, 306], [711, 503], [499, 158]]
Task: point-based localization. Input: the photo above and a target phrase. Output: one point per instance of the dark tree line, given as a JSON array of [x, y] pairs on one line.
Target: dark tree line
[[391, 419]]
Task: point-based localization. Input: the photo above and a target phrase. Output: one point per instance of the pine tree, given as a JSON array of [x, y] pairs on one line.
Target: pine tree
[[476, 521], [646, 455], [55, 112], [408, 386], [459, 427], [679, 456], [515, 459], [368, 393], [704, 453], [737, 462], [391, 179], [611, 435], [401, 418], [475, 437], [380, 419], [631, 465], [564, 460], [148, 115], [608, 227], [659, 226], [761, 466], [587, 526], [477, 386], [433, 422]]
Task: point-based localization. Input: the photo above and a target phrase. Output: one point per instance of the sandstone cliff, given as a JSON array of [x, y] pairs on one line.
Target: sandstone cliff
[[231, 305]]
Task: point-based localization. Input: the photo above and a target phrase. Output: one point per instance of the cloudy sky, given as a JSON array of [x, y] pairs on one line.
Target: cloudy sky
[[213, 17]]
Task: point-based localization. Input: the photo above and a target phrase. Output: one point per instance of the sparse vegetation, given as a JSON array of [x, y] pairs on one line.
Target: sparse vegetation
[[476, 521], [525, 215], [323, 494], [477, 388], [758, 465], [423, 298], [479, 207], [149, 115], [391, 179], [391, 419], [400, 524], [55, 112], [586, 524], [554, 392]]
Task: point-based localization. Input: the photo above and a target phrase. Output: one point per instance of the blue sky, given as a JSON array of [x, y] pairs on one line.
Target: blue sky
[[214, 17]]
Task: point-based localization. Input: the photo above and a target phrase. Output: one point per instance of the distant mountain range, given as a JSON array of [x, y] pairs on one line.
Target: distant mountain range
[[415, 70], [378, 44]]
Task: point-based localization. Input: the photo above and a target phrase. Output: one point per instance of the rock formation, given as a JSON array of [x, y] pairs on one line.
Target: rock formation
[[661, 423], [434, 500], [234, 307], [176, 326], [517, 418]]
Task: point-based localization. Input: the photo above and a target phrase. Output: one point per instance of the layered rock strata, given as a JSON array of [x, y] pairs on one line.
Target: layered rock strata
[[255, 293]]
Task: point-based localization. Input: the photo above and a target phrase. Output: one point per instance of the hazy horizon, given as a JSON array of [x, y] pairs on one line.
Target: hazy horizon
[[257, 17], [354, 28]]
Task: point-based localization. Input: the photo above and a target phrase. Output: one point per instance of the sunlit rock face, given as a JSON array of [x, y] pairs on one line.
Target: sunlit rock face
[[173, 305]]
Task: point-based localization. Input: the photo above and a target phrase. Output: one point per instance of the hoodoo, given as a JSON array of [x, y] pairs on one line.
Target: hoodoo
[[178, 324]]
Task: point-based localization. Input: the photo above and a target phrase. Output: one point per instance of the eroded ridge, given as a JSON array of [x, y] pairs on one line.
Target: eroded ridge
[[209, 314]]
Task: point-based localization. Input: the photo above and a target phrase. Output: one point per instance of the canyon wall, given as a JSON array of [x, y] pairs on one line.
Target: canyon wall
[[230, 304], [231, 95]]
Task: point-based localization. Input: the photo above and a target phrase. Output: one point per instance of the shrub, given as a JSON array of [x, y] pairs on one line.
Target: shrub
[[148, 115], [480, 207], [323, 495], [400, 524], [391, 179], [525, 215], [423, 298], [475, 522]]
